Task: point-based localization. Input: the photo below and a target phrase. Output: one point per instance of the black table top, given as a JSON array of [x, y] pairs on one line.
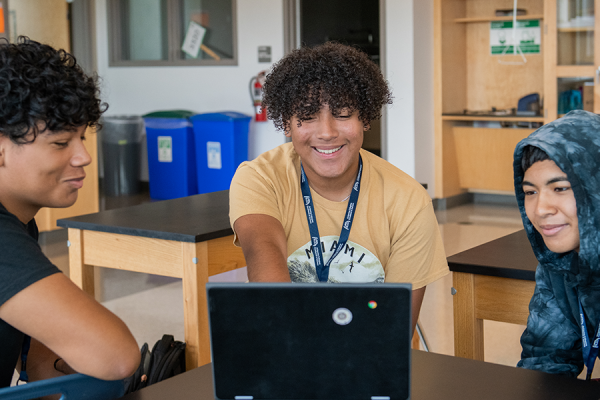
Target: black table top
[[188, 219], [434, 377], [510, 256]]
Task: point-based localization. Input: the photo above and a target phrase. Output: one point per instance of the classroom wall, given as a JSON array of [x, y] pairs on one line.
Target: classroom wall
[[423, 84], [138, 90], [409, 136]]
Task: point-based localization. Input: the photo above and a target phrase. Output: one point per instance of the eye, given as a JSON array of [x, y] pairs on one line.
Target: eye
[[562, 189], [61, 144], [529, 192]]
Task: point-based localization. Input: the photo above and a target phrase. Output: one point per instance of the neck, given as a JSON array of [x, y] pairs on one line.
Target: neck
[[333, 189], [24, 214]]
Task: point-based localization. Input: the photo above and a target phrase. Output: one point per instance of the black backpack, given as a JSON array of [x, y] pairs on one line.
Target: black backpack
[[166, 359]]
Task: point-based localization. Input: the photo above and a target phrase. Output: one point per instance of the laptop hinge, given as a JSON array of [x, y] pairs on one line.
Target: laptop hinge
[[380, 397], [252, 397]]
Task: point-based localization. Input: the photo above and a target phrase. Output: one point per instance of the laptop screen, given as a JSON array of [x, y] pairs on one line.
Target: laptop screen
[[310, 341]]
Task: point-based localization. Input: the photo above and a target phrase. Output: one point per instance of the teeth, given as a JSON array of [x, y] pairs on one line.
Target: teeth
[[328, 151]]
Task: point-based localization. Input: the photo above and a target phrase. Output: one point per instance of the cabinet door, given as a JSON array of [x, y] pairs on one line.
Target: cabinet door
[[574, 55], [575, 32]]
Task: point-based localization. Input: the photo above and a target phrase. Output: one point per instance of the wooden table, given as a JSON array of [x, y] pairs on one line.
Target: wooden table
[[188, 238], [494, 281], [433, 377]]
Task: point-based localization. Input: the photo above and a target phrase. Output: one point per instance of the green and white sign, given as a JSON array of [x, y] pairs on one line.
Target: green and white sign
[[165, 149], [528, 36]]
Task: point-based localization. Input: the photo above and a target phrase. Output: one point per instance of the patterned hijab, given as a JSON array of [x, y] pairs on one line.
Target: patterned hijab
[[573, 143]]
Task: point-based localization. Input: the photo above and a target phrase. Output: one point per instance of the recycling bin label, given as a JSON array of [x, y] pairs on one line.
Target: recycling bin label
[[213, 150], [165, 149]]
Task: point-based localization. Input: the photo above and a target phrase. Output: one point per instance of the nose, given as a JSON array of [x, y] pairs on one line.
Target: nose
[[81, 157], [545, 206], [327, 130]]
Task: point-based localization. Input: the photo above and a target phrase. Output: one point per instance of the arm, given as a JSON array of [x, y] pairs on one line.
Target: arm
[[417, 300], [264, 245], [551, 342], [73, 325]]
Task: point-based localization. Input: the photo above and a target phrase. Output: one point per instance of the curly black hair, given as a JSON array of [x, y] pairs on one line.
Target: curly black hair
[[332, 73], [44, 89]]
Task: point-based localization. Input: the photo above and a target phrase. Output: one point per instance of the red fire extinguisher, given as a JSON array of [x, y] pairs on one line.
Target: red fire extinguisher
[[256, 93]]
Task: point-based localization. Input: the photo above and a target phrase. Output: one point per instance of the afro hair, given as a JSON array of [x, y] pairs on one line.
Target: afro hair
[[338, 75]]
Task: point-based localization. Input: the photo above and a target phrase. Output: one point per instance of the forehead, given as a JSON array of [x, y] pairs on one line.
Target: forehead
[[543, 170]]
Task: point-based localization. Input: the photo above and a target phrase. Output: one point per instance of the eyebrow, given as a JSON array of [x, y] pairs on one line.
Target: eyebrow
[[549, 182]]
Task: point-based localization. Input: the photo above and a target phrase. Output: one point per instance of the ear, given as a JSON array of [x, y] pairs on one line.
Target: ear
[[366, 127], [286, 130], [3, 143]]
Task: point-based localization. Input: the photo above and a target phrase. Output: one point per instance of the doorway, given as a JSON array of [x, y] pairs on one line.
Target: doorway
[[352, 22]]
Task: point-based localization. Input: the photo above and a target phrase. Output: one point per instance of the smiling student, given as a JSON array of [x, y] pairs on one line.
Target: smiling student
[[321, 208], [46, 104], [557, 183]]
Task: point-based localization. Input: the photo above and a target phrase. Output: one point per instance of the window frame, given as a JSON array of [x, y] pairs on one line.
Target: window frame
[[174, 39]]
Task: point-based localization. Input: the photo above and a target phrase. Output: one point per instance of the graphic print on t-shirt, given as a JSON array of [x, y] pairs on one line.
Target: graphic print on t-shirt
[[353, 264]]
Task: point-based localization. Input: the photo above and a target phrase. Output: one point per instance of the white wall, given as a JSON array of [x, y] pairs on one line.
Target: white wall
[[399, 70], [408, 68], [423, 84], [138, 90]]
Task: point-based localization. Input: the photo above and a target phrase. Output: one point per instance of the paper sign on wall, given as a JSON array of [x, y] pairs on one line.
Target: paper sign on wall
[[193, 39], [213, 150], [528, 37]]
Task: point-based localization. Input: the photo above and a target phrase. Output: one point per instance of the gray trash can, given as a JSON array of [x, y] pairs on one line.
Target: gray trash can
[[121, 137]]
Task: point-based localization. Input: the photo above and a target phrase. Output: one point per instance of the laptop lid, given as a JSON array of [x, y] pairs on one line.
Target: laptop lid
[[310, 341]]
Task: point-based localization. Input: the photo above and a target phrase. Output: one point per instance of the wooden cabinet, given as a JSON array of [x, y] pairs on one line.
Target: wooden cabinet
[[474, 149], [87, 199], [572, 58]]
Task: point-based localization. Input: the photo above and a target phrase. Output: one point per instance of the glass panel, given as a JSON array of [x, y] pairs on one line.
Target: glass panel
[[575, 94], [575, 26], [144, 30], [216, 17]]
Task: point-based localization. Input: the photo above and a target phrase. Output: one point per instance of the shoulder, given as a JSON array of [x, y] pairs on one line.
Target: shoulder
[[280, 163], [396, 185], [22, 262]]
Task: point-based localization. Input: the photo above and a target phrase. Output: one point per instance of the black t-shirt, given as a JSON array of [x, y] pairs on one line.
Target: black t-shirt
[[21, 264]]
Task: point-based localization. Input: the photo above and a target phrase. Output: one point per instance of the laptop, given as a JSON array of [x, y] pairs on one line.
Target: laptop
[[310, 341]]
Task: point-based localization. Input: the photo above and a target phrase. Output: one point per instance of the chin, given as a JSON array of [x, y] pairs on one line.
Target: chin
[[67, 201], [561, 247]]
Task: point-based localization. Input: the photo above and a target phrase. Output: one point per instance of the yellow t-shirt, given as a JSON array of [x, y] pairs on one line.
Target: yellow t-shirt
[[394, 235]]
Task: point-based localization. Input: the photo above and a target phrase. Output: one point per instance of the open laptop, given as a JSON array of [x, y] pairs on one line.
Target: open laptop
[[310, 341]]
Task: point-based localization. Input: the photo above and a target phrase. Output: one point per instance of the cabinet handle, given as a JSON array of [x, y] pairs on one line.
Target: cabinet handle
[[597, 75]]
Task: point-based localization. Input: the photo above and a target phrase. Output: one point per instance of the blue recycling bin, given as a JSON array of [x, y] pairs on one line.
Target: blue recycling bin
[[171, 154], [221, 145]]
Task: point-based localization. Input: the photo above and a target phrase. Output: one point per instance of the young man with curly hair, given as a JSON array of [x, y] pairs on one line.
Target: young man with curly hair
[[321, 208], [46, 105]]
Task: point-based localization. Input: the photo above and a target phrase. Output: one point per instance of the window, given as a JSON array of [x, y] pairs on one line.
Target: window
[[172, 32]]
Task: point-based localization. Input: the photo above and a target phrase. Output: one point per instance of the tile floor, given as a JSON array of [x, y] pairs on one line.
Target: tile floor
[[152, 305]]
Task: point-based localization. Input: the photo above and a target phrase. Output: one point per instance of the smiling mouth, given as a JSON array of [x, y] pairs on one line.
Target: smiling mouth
[[550, 230], [330, 151]]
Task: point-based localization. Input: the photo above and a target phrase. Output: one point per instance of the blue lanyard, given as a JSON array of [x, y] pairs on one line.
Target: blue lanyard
[[590, 349], [24, 351], [323, 268]]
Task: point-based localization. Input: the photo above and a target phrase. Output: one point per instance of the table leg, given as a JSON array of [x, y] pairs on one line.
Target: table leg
[[80, 273], [468, 329], [195, 309]]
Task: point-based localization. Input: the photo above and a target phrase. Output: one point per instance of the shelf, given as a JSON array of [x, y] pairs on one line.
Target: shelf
[[490, 19], [506, 118], [576, 29], [575, 71]]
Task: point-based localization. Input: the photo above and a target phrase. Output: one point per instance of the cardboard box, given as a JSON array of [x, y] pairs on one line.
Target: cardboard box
[[588, 96]]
